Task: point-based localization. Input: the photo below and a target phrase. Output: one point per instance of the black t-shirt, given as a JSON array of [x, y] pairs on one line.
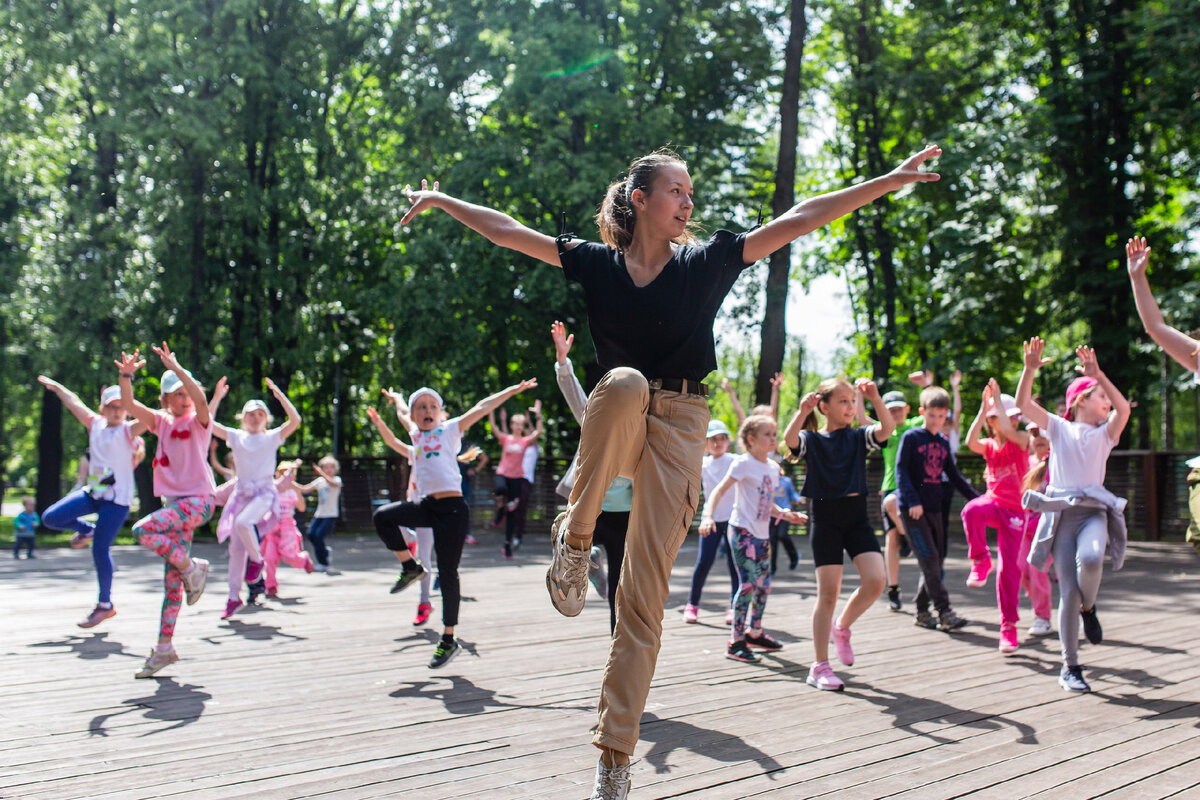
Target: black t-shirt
[[663, 329], [835, 463]]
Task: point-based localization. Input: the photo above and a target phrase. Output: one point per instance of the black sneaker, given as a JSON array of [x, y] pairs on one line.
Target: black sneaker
[[257, 589], [408, 577], [894, 598], [1091, 626], [444, 652], [1071, 679], [905, 546], [925, 619], [764, 641], [738, 651], [949, 621]]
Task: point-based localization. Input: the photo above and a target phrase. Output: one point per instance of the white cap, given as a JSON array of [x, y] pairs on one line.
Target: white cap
[[424, 390], [1010, 407], [112, 394], [170, 382], [254, 405]]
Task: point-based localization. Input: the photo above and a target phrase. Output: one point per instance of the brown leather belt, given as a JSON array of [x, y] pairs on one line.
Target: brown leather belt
[[681, 385]]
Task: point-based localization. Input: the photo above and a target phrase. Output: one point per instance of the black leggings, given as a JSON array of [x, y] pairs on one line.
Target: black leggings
[[611, 528], [779, 538], [449, 518]]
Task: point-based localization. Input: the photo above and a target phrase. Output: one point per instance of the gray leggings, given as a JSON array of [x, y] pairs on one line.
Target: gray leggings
[[1078, 561]]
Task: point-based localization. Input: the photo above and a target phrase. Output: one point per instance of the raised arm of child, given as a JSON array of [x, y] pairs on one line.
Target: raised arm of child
[[956, 402], [214, 404], [539, 427], [776, 383], [489, 403], [293, 416], [69, 399], [974, 443], [189, 383], [887, 425], [568, 383], [127, 367], [1177, 344], [791, 435], [1004, 424], [402, 412], [737, 407], [389, 438], [1119, 416], [1032, 362], [219, 468]]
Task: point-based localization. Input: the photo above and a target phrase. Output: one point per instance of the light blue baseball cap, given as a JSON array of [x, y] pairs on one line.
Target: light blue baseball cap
[[717, 428]]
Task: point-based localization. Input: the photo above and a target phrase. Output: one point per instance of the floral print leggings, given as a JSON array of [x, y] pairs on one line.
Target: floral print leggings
[[752, 557], [168, 532]]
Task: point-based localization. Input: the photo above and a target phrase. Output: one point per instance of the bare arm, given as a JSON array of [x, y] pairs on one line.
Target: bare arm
[[1119, 416], [497, 227], [817, 212], [69, 399], [737, 407], [955, 382], [707, 525], [974, 444], [886, 423], [219, 468], [1177, 344], [126, 367], [389, 438], [488, 403], [1008, 431], [293, 416], [1033, 412], [776, 382], [791, 436]]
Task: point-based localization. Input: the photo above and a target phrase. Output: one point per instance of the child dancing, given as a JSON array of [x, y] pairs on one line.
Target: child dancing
[[283, 542]]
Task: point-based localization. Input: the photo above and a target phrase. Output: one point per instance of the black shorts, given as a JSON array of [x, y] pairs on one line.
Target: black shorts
[[840, 524], [888, 524]]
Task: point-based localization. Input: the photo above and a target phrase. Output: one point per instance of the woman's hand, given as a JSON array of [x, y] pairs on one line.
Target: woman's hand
[[420, 201]]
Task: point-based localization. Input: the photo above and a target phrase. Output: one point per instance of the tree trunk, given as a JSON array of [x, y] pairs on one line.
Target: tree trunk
[[774, 325]]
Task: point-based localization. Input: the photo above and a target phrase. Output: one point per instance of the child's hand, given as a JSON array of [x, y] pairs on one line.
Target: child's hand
[[272, 388], [562, 342], [1137, 255], [1087, 361], [373, 415], [707, 526], [909, 170], [220, 390], [809, 404], [537, 407], [955, 379], [128, 364], [868, 389], [395, 398], [922, 378], [528, 383], [777, 381], [794, 517], [1033, 349], [916, 512], [421, 201], [726, 386], [168, 358], [49, 383]]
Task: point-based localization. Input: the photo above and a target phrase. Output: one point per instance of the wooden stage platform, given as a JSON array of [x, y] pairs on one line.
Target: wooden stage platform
[[326, 693]]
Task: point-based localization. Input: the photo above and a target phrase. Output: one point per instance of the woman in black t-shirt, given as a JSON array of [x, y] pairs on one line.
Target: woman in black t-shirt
[[652, 292]]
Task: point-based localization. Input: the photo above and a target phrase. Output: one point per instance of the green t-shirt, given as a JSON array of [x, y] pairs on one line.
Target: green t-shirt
[[889, 452]]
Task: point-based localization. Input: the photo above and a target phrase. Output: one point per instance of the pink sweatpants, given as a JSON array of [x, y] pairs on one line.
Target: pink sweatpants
[[283, 543], [980, 514], [1034, 581]]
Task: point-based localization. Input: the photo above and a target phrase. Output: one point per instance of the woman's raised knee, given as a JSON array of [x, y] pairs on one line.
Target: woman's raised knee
[[624, 385]]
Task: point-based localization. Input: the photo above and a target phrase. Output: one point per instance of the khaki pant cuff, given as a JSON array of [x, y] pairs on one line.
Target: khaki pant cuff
[[603, 740]]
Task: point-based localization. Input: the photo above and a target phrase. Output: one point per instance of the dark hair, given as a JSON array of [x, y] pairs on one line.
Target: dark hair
[[617, 218]]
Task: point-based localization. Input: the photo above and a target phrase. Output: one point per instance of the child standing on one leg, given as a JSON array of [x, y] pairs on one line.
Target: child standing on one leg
[[1035, 582], [184, 482], [435, 443], [283, 542], [1079, 516], [25, 526], [752, 477], [255, 500], [328, 487], [1006, 454], [108, 490], [836, 484], [922, 458], [714, 468]]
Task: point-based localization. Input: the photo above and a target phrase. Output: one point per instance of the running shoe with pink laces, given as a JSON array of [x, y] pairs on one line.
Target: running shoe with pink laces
[[841, 643], [821, 676]]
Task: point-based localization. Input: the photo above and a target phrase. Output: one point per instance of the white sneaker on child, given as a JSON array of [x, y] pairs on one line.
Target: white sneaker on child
[[1040, 627]]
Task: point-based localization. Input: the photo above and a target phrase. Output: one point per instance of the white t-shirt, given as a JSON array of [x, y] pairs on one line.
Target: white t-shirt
[[254, 454], [712, 472], [1078, 453], [529, 461], [111, 461], [754, 494], [435, 457], [327, 498]]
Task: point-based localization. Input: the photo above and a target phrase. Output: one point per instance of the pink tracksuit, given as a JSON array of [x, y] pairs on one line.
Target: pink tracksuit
[[284, 542], [1001, 509]]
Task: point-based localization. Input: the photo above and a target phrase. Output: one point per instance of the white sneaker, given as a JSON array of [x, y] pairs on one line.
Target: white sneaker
[[612, 783], [1040, 627], [567, 577], [155, 662], [195, 579]]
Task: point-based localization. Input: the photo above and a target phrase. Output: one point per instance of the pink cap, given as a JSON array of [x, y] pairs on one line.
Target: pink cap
[[1076, 389]]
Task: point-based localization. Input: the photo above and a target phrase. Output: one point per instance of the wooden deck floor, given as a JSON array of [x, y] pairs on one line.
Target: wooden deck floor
[[326, 693]]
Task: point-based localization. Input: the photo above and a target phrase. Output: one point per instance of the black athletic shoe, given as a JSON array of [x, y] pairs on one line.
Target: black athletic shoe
[[1071, 679], [738, 651], [1091, 626], [905, 546], [763, 641], [444, 652], [925, 619], [894, 598], [408, 577], [949, 621]]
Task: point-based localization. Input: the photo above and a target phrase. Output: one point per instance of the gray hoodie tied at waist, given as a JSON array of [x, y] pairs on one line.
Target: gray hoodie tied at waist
[[1053, 501]]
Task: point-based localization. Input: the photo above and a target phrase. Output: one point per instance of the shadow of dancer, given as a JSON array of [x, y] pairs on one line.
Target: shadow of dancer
[[93, 647], [908, 711], [670, 735], [463, 697], [252, 631], [180, 704]]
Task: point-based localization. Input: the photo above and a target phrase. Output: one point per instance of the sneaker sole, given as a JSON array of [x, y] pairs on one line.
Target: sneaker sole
[[555, 536], [197, 591], [732, 657], [977, 584], [397, 587], [449, 658], [87, 623], [144, 673], [1071, 689], [818, 685]]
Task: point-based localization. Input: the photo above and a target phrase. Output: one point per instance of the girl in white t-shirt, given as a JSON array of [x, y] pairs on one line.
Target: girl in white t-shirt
[[1076, 523], [255, 500], [752, 477], [714, 468], [107, 491], [435, 445]]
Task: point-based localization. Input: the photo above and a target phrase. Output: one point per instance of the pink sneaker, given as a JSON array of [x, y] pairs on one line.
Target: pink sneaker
[[841, 643], [691, 613], [97, 616], [821, 676], [309, 567], [230, 608], [979, 572], [423, 612], [1008, 639]]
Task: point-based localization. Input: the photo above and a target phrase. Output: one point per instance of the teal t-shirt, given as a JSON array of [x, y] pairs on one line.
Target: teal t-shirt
[[890, 449]]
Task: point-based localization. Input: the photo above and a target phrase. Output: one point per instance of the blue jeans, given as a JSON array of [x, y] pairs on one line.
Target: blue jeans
[[709, 545], [65, 516], [318, 529]]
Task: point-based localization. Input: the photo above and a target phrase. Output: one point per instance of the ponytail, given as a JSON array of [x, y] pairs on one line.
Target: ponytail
[[1036, 476], [617, 216]]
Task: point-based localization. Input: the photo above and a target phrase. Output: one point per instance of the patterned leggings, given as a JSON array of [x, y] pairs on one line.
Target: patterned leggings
[[168, 532], [752, 557]]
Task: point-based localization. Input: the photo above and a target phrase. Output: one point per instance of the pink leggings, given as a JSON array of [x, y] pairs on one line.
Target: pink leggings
[[980, 514], [283, 543], [1034, 581], [168, 532]]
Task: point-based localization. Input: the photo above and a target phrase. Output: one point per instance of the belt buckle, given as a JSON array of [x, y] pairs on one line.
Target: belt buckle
[[656, 385]]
